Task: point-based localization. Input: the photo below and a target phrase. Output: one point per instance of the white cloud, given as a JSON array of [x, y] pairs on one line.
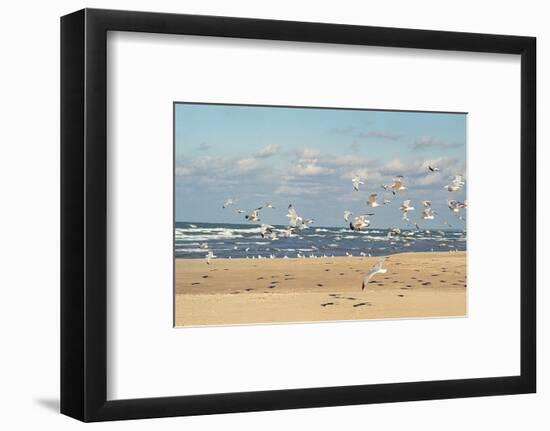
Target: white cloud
[[309, 153], [267, 151], [247, 164]]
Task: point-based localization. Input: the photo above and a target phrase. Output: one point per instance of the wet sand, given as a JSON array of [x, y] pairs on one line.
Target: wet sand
[[240, 291]]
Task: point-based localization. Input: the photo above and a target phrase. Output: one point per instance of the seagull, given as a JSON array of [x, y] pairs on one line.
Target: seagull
[[456, 206], [427, 204], [376, 269], [268, 205], [386, 201], [406, 206], [265, 229], [293, 217], [254, 215], [427, 214], [305, 223], [433, 169], [203, 245], [346, 215], [239, 211], [209, 256], [372, 200], [397, 185], [360, 222], [456, 184], [286, 233], [355, 181], [227, 203]]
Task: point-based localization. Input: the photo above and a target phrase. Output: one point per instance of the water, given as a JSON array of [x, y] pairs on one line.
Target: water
[[242, 240]]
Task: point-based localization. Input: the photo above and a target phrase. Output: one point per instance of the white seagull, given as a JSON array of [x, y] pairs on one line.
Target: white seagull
[[254, 215], [372, 200], [456, 206], [376, 269], [406, 206], [209, 256], [355, 181], [427, 214], [433, 168], [265, 229], [293, 217], [397, 185], [456, 184], [360, 222], [346, 215], [227, 203]]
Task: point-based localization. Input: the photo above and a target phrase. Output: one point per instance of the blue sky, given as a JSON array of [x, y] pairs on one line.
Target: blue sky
[[307, 157]]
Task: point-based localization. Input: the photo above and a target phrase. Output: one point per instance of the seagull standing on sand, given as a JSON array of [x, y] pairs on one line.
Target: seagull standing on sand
[[254, 215], [209, 257], [376, 269], [372, 200], [355, 182]]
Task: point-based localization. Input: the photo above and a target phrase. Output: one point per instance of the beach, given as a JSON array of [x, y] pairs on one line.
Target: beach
[[247, 291]]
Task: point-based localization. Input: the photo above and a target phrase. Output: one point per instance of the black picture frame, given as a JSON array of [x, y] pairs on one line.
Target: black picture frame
[[84, 214]]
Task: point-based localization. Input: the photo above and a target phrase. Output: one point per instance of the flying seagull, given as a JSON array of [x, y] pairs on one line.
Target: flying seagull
[[376, 269], [355, 181], [266, 229], [456, 184], [293, 217], [427, 214], [433, 169], [254, 215], [406, 206], [360, 222], [346, 215], [227, 203], [397, 185], [372, 200], [456, 206]]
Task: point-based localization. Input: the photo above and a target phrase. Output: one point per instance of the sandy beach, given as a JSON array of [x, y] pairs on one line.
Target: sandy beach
[[244, 291]]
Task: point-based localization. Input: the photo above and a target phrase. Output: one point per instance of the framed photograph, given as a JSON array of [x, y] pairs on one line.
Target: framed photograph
[[262, 215]]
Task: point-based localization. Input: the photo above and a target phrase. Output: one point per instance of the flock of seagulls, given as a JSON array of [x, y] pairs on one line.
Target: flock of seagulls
[[360, 222]]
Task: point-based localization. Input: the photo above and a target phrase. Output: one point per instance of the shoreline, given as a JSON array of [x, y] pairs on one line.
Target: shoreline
[[248, 291]]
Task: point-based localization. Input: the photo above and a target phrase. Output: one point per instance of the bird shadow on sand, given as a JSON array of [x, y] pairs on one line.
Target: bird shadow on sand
[[51, 404]]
